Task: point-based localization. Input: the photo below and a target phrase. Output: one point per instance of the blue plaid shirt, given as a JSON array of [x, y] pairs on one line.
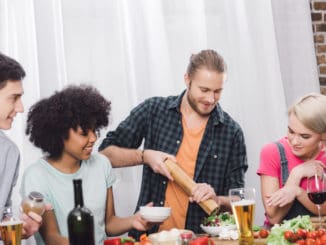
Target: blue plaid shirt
[[221, 160]]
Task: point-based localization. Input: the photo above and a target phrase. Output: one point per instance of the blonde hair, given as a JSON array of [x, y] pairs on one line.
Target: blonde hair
[[311, 112]]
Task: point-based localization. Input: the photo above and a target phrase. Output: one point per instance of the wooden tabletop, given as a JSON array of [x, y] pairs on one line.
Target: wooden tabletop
[[258, 241]]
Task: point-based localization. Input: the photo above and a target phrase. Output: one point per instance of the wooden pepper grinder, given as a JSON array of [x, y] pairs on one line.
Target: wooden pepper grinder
[[187, 184]]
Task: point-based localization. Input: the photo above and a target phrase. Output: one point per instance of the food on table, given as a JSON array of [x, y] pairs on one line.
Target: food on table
[[260, 232], [224, 232], [288, 232], [119, 241], [222, 225], [263, 233], [202, 240], [316, 237], [219, 219], [170, 237], [256, 229], [144, 240]]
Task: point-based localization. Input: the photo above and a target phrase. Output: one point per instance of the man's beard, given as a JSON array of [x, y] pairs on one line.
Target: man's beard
[[194, 106]]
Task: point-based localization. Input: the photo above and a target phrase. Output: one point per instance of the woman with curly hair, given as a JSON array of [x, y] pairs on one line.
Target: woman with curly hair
[[65, 127]]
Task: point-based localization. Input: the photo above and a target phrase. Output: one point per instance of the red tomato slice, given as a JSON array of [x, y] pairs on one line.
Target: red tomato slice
[[289, 235], [312, 234], [302, 233], [300, 242], [128, 243], [112, 241], [310, 241], [203, 240], [323, 239]]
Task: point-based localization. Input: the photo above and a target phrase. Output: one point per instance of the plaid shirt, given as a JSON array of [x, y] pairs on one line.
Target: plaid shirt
[[221, 160]]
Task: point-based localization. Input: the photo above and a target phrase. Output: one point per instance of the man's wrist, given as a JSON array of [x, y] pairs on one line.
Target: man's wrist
[[142, 156]]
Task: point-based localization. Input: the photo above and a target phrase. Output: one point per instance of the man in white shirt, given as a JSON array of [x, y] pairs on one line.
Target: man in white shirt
[[11, 91]]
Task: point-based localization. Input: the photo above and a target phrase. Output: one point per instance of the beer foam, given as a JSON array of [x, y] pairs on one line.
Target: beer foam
[[243, 203], [11, 222]]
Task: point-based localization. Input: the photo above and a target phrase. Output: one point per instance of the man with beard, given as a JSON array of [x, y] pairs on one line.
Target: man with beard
[[191, 129]]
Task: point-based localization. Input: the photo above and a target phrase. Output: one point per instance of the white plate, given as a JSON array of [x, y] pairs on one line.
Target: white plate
[[216, 230]]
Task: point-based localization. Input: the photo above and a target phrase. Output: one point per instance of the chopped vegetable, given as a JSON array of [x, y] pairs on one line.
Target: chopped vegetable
[[280, 234], [119, 241], [263, 233], [256, 228], [202, 240], [219, 219]]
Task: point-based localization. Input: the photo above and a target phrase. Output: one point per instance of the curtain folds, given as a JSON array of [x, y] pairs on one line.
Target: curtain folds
[[132, 50]]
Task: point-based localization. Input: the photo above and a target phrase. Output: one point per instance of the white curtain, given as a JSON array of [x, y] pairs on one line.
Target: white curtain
[[131, 50]]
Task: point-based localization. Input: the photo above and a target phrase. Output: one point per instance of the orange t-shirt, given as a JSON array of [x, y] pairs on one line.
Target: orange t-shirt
[[175, 197]]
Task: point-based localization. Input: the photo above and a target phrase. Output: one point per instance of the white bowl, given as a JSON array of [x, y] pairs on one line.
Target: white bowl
[[216, 230], [155, 214]]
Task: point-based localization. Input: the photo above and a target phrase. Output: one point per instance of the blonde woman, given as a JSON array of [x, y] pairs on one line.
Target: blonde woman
[[286, 164]]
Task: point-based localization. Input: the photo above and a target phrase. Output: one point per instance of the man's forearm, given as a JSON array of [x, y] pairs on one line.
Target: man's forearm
[[123, 157]]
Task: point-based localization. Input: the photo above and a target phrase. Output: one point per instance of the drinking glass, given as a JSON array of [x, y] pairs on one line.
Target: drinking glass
[[243, 207], [11, 225], [316, 190]]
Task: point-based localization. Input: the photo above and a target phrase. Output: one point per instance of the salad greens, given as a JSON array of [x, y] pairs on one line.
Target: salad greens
[[256, 228], [219, 219], [276, 236]]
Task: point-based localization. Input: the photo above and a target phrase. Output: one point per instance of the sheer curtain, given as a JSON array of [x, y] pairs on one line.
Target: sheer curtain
[[132, 50]]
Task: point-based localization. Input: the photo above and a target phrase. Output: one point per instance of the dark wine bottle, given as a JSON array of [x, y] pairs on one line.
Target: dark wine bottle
[[80, 219]]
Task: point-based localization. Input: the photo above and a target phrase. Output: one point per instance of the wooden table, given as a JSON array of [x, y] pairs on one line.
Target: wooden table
[[258, 241]]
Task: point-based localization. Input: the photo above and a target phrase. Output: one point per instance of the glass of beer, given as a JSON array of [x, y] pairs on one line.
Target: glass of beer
[[243, 207], [11, 225]]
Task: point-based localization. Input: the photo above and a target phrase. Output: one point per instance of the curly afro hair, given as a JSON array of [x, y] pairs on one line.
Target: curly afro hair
[[50, 119]]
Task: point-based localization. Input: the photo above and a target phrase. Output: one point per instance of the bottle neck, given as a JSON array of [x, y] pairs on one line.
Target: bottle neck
[[78, 191]]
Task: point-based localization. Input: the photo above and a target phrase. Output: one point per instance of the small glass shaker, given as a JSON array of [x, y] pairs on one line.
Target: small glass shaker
[[185, 237], [33, 202]]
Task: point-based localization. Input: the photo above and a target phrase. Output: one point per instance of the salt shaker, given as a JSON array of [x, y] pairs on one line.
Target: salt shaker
[[34, 202], [185, 237]]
